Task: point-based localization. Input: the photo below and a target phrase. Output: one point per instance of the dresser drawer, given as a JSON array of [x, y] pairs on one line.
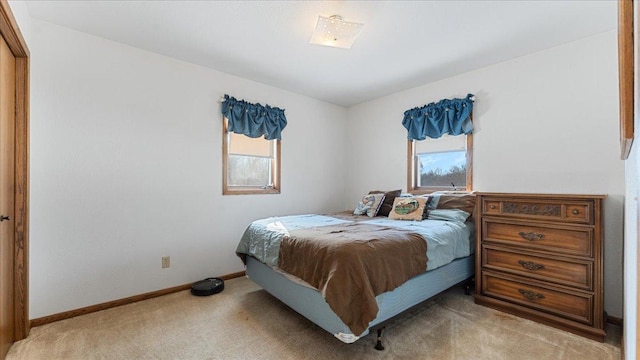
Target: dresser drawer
[[570, 272], [554, 210], [568, 240], [576, 306]]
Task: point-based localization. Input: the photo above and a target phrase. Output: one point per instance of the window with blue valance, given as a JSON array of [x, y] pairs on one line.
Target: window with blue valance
[[253, 120], [448, 116]]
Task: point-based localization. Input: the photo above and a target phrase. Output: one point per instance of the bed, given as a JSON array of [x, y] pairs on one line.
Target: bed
[[439, 255]]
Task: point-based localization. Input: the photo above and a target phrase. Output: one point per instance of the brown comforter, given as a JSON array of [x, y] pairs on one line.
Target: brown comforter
[[352, 263]]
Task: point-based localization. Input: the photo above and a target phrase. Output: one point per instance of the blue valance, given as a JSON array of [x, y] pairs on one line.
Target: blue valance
[[253, 120], [448, 116]]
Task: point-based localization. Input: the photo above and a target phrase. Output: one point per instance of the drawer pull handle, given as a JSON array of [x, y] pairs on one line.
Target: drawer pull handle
[[530, 295], [575, 212], [530, 265], [492, 207], [531, 236]]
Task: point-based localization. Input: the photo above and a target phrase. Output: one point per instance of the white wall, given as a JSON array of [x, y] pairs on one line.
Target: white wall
[[632, 217], [126, 168], [546, 123], [632, 220]]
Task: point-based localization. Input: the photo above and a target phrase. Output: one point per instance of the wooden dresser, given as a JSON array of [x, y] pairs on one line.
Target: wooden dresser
[[541, 257]]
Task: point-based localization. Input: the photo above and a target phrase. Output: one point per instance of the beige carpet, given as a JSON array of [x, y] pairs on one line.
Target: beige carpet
[[245, 322]]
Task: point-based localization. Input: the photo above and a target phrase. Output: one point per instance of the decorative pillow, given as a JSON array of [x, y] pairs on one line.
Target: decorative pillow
[[389, 196], [426, 207], [408, 208], [448, 215], [465, 201], [369, 205]]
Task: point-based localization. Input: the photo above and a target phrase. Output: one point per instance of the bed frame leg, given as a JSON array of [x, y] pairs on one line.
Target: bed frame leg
[[469, 285], [379, 346]]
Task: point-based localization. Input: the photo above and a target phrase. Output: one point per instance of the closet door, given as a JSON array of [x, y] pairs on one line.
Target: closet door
[[7, 191]]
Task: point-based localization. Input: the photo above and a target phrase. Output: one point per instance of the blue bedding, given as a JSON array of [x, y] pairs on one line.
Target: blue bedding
[[446, 240]]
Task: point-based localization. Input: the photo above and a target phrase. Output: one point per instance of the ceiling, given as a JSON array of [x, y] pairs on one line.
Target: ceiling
[[403, 44]]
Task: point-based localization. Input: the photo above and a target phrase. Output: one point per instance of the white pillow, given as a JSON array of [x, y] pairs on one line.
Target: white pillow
[[448, 215]]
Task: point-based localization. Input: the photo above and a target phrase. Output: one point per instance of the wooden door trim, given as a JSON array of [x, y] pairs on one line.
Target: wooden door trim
[[21, 213], [12, 35], [10, 31]]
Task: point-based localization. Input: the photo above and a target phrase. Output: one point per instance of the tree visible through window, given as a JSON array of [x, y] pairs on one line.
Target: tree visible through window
[[443, 169], [247, 170]]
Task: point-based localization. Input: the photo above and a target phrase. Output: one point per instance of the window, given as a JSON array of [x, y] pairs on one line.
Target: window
[[250, 165], [439, 164]]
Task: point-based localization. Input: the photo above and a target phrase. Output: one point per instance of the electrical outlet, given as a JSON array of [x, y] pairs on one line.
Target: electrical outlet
[[166, 262]]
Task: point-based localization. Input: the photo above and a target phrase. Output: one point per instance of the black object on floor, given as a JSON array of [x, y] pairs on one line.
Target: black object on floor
[[208, 286]]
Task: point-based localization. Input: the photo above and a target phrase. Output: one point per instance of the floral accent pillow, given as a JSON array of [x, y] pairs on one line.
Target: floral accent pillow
[[369, 205], [387, 203], [408, 208]]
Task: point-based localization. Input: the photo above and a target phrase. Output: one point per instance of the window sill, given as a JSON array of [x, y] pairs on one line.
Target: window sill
[[250, 191], [429, 190]]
